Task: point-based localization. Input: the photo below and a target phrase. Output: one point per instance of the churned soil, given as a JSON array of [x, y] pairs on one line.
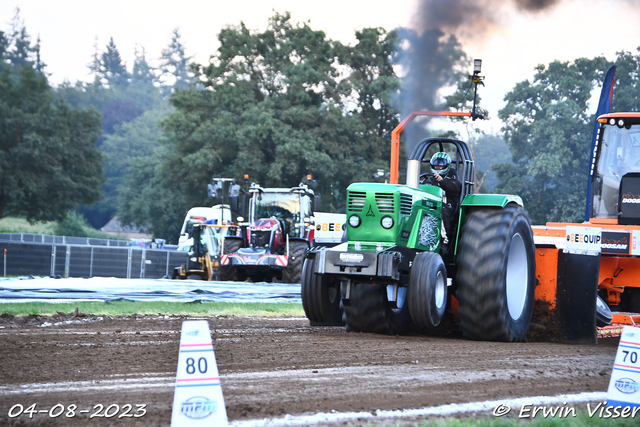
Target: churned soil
[[270, 367]]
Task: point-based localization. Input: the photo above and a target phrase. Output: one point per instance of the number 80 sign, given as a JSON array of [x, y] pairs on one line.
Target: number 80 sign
[[198, 394]]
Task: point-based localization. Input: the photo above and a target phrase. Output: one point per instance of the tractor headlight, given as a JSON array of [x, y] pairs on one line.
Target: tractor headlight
[[387, 222], [354, 221]]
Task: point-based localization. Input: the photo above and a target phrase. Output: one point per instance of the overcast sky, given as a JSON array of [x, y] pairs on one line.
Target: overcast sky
[[510, 45]]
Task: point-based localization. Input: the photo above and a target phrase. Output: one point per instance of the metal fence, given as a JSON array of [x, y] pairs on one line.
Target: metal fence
[[82, 260], [61, 240]]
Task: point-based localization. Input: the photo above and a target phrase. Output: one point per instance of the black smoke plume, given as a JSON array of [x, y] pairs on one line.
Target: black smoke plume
[[431, 56]]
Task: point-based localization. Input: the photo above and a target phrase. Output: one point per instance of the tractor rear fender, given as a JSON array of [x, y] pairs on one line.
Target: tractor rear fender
[[474, 201]]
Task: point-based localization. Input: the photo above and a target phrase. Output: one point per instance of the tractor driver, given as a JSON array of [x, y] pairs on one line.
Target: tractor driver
[[445, 177]]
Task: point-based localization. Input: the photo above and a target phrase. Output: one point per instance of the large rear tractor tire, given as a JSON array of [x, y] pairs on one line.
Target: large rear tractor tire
[[229, 273], [293, 271], [320, 295], [427, 293], [496, 274], [371, 311]]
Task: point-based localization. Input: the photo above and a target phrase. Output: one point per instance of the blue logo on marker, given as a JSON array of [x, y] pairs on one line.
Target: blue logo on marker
[[627, 385], [198, 407], [192, 333]]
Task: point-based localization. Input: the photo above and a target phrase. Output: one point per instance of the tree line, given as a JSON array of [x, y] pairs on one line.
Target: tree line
[[276, 104]]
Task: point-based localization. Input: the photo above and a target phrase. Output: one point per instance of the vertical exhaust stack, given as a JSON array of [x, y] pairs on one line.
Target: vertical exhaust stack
[[413, 168], [477, 79]]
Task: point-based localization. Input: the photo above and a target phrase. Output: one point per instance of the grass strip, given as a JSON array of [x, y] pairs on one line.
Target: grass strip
[[124, 307], [581, 419]]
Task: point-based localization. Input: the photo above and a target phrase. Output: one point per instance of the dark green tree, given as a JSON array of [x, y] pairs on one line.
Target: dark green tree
[[4, 47], [49, 163], [360, 140], [174, 63], [626, 91], [143, 73], [263, 111], [112, 70], [20, 52], [150, 197], [121, 97], [548, 129], [131, 141]]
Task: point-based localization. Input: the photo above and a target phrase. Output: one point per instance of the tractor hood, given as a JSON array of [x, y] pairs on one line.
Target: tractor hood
[[378, 215]]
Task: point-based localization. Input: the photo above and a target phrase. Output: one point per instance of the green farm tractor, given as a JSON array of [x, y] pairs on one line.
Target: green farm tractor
[[394, 271]]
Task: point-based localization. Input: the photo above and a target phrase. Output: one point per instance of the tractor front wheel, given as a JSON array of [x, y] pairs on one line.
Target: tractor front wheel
[[371, 311], [293, 271], [496, 274], [427, 290], [320, 295], [229, 273]]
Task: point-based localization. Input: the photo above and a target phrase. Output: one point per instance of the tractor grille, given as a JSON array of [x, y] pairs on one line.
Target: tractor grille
[[406, 201], [260, 238], [356, 201], [385, 204]]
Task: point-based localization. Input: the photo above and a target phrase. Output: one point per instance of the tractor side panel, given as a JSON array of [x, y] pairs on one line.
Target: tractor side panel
[[547, 274], [423, 229], [576, 296]]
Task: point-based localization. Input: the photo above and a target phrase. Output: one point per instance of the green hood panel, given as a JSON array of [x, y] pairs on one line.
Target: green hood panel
[[415, 214]]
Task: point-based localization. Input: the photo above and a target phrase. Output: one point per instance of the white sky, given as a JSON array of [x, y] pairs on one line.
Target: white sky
[[510, 49]]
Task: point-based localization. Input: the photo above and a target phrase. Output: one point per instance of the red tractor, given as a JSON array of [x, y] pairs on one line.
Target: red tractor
[[273, 244]]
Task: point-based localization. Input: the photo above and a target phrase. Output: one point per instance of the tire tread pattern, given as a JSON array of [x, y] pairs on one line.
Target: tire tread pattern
[[316, 301], [370, 312], [292, 273], [482, 255], [420, 295]]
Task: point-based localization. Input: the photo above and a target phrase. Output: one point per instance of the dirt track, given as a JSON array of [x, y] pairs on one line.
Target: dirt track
[[272, 367]]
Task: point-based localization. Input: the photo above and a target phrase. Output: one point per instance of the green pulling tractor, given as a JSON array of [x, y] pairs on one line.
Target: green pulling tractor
[[395, 271]]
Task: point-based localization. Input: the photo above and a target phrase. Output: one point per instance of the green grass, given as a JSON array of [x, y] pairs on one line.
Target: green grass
[[582, 419], [115, 308], [75, 225], [21, 225]]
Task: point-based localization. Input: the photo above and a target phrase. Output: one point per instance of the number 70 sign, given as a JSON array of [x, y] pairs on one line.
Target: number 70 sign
[[624, 388]]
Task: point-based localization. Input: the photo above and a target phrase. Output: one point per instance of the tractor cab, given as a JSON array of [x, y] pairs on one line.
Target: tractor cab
[[273, 241], [418, 165], [289, 207], [419, 170], [615, 173]]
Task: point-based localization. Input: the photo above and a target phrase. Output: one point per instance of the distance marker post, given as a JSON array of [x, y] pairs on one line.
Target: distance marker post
[[624, 387], [198, 396]]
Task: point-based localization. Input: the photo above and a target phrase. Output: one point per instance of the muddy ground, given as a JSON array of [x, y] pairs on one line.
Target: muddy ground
[[271, 367]]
